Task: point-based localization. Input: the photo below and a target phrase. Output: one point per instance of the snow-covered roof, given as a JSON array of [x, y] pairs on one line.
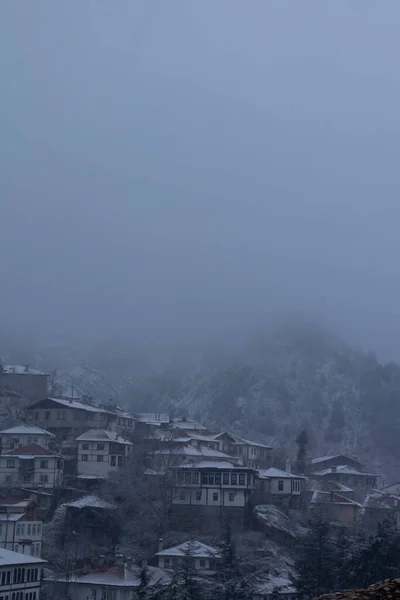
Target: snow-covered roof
[[21, 370], [241, 441], [321, 459], [116, 575], [213, 464], [151, 418], [188, 425], [7, 557], [272, 472], [319, 497], [11, 516], [191, 548], [343, 469], [102, 435], [91, 502], [26, 430], [196, 451], [76, 404]]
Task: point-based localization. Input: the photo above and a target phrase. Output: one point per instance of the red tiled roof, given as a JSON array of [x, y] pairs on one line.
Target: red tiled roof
[[33, 449]]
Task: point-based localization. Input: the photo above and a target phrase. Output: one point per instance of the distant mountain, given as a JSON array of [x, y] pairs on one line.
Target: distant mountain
[[298, 376]]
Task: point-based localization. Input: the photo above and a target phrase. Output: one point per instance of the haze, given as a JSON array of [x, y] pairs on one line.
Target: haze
[[175, 171]]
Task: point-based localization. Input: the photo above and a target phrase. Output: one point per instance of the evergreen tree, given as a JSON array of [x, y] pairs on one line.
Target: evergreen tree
[[232, 584], [301, 460], [342, 547], [315, 562]]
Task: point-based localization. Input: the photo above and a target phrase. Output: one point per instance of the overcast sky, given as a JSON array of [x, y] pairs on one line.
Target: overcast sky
[[176, 169]]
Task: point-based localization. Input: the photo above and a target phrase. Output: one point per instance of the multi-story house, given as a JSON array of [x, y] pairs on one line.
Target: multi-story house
[[209, 490], [252, 454], [20, 576], [100, 452], [179, 427], [31, 466], [349, 476], [27, 382], [20, 526], [279, 487], [22, 435], [68, 419], [326, 462]]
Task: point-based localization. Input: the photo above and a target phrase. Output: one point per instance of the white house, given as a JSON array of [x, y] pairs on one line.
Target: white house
[[281, 483], [213, 484], [110, 582], [20, 527], [22, 435], [100, 452], [20, 576], [31, 465], [194, 554]]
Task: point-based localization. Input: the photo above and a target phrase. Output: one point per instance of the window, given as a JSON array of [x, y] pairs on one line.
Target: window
[[225, 478], [34, 529], [120, 461], [77, 416], [47, 415], [113, 461], [204, 478], [64, 415], [94, 593], [202, 563], [84, 457], [28, 529], [44, 464], [100, 458], [18, 529], [211, 478], [295, 485], [100, 446], [182, 496], [188, 477], [44, 479], [242, 479], [181, 476], [85, 446], [10, 463], [22, 529], [198, 496], [167, 563], [195, 478], [39, 528], [37, 549], [59, 415], [37, 416], [280, 485], [215, 497], [217, 478], [231, 497], [234, 479]]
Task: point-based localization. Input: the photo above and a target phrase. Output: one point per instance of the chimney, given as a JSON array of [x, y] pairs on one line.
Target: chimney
[[160, 545], [288, 466]]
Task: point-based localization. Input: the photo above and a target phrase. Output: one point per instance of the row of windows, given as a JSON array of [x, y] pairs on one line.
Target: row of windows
[[31, 529], [20, 575], [114, 460], [19, 596], [175, 562], [104, 594], [61, 415], [44, 464], [98, 446], [214, 478], [35, 548], [25, 479], [215, 496], [253, 451]]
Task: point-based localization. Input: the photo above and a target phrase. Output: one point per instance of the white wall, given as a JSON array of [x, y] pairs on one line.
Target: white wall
[[92, 466], [13, 532], [287, 487], [54, 475], [207, 496]]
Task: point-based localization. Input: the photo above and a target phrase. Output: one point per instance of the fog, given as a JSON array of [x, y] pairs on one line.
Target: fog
[[177, 171]]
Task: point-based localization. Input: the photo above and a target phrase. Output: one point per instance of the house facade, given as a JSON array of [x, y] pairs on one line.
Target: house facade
[[349, 476], [101, 452], [326, 462], [22, 435], [251, 454], [68, 419], [276, 486], [27, 382], [32, 466], [334, 506], [20, 576], [20, 527]]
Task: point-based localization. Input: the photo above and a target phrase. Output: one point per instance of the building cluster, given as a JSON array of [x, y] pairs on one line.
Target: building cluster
[[73, 443]]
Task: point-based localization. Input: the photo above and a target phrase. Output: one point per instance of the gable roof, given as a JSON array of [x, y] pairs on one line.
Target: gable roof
[[342, 469], [190, 548], [320, 459], [319, 497], [196, 451], [72, 404], [272, 473], [241, 441], [102, 435], [115, 575], [26, 429], [214, 464], [31, 450]]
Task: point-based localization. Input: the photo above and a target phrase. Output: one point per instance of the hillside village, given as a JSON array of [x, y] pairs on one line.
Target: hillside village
[[69, 466]]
